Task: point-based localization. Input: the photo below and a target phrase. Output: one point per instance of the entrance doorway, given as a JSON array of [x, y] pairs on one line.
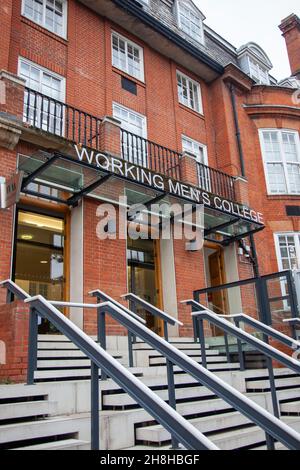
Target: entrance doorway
[[216, 276], [39, 265], [144, 277]]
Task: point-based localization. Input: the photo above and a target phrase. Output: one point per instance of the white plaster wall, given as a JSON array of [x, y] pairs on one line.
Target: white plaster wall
[[169, 282], [76, 263]]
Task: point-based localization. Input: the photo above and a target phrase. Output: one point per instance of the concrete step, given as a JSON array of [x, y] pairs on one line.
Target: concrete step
[[264, 384], [64, 444], [210, 359], [61, 345], [187, 393], [20, 391], [64, 363], [10, 411], [214, 367], [157, 434], [238, 438], [50, 427], [186, 345], [241, 438], [66, 354], [291, 408], [72, 374]]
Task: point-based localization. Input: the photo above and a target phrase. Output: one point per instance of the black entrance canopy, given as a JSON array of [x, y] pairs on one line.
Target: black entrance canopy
[[63, 179]]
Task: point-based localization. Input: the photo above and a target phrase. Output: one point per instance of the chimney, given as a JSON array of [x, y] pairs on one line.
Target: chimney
[[290, 28]]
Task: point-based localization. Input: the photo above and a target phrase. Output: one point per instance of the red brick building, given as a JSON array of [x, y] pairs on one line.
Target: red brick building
[[190, 106]]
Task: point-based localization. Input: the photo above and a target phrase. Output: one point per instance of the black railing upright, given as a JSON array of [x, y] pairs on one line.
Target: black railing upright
[[216, 182], [148, 154], [58, 118], [63, 120]]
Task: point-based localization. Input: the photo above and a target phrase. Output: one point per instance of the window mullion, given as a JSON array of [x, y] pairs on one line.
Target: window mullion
[[44, 12], [284, 163]]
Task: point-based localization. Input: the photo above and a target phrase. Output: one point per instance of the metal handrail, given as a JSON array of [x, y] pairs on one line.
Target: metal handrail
[[293, 322], [270, 352], [155, 311], [274, 428], [179, 428], [177, 425], [262, 327]]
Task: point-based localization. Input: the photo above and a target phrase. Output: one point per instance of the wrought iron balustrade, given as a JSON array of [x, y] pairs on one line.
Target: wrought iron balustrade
[[148, 154], [216, 182], [58, 118], [63, 120]]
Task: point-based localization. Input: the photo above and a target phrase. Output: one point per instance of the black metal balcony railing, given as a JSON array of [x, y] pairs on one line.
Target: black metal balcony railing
[[148, 154], [55, 117], [216, 182], [63, 120]]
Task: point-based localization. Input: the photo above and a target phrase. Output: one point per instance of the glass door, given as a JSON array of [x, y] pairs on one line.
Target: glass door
[[39, 258], [142, 277]]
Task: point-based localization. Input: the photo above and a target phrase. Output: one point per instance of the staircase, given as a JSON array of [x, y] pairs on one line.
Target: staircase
[[55, 413]]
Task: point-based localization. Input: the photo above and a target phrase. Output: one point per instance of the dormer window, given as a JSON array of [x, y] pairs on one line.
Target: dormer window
[[190, 20], [258, 73], [254, 62]]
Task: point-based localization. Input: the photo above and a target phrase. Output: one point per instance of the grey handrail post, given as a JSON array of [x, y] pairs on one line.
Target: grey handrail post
[[32, 345], [95, 426], [130, 349], [102, 335], [131, 337], [227, 347], [171, 383], [270, 442], [276, 409], [202, 342], [240, 348]]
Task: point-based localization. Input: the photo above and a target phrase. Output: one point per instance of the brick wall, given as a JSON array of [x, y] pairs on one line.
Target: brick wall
[[14, 334]]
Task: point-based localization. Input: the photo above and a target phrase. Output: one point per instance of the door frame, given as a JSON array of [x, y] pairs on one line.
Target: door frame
[[59, 211], [220, 250]]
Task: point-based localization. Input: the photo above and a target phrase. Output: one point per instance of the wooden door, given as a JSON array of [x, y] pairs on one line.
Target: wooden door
[[217, 276]]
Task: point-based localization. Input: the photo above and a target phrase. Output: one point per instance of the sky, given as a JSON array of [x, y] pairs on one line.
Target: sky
[[240, 22]]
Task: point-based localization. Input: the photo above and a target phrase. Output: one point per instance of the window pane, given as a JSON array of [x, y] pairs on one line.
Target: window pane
[[290, 147], [126, 56], [276, 178], [272, 146], [48, 13], [188, 92], [294, 177]]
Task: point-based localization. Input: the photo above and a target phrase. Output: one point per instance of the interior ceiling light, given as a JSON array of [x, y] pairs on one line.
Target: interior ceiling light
[[27, 237]]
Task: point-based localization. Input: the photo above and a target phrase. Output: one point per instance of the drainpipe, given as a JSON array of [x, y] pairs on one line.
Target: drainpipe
[[254, 258], [237, 130]]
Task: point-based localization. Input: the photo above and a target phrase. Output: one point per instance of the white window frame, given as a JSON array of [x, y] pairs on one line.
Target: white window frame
[[199, 93], [141, 76], [296, 236], [44, 25], [282, 161], [134, 155], [200, 38], [52, 74], [262, 72], [204, 179], [198, 144]]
